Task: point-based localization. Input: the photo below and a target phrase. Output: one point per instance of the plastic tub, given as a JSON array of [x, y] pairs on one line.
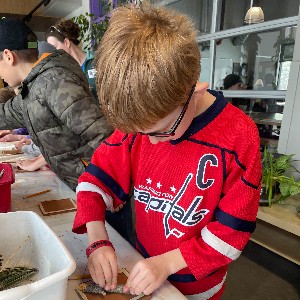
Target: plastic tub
[[6, 180], [43, 250]]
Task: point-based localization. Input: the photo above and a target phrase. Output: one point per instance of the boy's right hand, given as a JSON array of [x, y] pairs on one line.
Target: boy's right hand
[[102, 262], [103, 267]]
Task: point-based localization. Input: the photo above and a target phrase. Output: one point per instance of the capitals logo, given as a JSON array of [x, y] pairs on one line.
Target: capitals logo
[[169, 205]]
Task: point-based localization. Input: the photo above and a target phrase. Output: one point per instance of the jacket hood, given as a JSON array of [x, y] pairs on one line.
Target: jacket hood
[[58, 58]]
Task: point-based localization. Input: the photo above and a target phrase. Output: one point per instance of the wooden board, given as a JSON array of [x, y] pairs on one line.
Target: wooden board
[[52, 207], [9, 151], [122, 278]]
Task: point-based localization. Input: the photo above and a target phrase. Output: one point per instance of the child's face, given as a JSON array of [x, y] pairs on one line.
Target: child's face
[[172, 126], [183, 115]]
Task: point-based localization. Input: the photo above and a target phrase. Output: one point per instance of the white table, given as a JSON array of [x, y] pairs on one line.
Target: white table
[[33, 182]]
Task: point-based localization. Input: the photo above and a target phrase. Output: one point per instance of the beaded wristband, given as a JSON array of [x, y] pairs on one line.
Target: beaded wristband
[[92, 247]]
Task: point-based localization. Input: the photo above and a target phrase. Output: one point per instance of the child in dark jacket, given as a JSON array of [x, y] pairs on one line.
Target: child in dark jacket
[[54, 104]]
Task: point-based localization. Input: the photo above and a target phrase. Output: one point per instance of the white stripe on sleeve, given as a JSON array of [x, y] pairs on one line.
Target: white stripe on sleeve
[[219, 245], [89, 187]]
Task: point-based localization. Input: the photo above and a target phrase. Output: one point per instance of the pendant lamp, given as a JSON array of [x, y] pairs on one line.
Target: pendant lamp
[[255, 14]]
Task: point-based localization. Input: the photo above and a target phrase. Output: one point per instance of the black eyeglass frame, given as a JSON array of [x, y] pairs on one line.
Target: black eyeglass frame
[[54, 28], [171, 132]]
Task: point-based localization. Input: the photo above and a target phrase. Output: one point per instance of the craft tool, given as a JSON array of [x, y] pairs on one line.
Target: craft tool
[[36, 194]]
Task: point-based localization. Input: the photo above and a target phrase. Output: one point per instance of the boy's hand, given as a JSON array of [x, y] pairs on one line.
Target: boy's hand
[[149, 274], [146, 276], [103, 267]]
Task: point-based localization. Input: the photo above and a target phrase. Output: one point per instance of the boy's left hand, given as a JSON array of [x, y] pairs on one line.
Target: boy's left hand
[[147, 275]]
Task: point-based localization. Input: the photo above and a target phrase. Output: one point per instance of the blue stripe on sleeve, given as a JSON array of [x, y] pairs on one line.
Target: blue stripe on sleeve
[[233, 222], [108, 181]]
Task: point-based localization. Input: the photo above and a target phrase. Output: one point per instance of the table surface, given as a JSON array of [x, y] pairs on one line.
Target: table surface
[[33, 182]]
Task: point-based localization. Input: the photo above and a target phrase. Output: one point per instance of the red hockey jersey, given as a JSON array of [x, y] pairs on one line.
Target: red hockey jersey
[[199, 193]]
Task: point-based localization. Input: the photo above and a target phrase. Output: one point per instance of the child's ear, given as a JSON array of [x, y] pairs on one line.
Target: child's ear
[[9, 57], [201, 87]]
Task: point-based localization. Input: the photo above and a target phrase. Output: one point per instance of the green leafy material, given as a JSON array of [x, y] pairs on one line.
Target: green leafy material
[[276, 169], [93, 28], [10, 277]]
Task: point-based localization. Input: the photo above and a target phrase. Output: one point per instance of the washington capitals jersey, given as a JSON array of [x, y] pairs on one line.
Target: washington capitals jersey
[[199, 193]]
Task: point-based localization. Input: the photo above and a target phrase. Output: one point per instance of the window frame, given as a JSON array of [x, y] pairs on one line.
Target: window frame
[[253, 28]]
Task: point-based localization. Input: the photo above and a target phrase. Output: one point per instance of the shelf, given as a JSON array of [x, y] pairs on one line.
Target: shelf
[[278, 241], [283, 216], [266, 118], [278, 229], [268, 142]]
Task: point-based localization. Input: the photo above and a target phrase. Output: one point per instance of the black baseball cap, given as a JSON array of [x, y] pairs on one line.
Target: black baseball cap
[[13, 35]]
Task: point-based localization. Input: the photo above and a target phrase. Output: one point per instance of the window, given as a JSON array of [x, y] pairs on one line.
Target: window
[[262, 59], [259, 53], [233, 11], [200, 11]]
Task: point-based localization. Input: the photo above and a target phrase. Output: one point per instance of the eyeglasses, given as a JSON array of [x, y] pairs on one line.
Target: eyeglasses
[[171, 132], [53, 29]]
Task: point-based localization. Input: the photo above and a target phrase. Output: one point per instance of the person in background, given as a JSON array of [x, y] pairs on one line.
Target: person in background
[[54, 103], [65, 35], [192, 157], [234, 82], [24, 144], [258, 85], [19, 134], [8, 135]]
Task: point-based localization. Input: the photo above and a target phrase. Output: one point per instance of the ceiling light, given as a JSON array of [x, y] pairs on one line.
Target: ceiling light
[[254, 15]]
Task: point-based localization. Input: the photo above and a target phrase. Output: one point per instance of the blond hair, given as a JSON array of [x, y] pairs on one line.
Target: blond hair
[[147, 63]]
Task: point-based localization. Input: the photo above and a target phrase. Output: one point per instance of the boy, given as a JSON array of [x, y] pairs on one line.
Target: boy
[[192, 157], [54, 103]]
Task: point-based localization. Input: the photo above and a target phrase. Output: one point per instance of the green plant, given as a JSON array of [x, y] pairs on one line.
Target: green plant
[[92, 28], [277, 169]]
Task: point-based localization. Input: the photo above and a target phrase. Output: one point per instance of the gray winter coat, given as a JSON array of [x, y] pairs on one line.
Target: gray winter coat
[[57, 108]]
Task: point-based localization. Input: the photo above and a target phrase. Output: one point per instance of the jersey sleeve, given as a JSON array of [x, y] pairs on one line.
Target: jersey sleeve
[[105, 184], [222, 240]]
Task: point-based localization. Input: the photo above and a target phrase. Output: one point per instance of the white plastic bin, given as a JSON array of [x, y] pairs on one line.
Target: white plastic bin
[[47, 253]]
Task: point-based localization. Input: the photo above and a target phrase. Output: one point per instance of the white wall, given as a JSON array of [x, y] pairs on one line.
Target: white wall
[[85, 7]]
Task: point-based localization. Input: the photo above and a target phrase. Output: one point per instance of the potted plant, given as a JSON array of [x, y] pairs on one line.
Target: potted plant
[[93, 27], [277, 169]]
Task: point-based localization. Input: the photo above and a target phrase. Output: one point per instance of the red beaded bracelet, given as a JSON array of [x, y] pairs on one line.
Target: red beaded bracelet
[[92, 247]]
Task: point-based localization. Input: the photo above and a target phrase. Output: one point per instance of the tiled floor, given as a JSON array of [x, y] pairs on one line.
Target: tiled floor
[[259, 274]]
